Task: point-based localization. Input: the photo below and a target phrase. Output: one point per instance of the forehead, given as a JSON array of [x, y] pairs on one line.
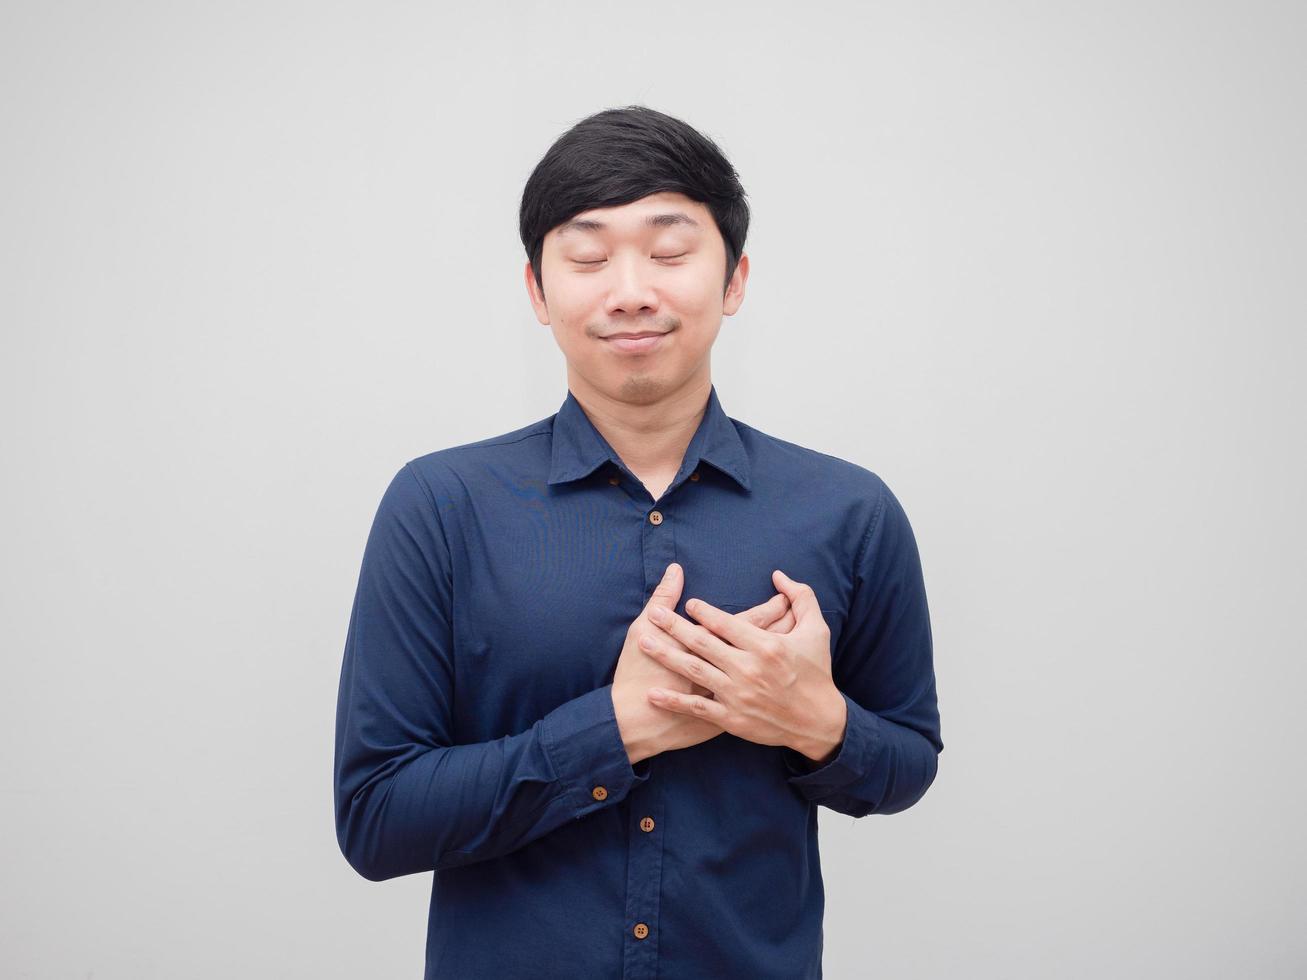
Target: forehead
[[666, 209]]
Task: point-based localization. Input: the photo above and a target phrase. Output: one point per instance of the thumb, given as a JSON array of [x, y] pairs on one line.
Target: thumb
[[803, 600], [668, 591]]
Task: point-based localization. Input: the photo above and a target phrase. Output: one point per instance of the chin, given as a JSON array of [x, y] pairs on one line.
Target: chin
[[642, 388]]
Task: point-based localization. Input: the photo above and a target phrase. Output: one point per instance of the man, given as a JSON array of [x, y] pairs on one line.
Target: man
[[606, 780]]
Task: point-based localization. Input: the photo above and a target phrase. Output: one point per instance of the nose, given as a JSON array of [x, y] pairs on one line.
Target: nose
[[630, 289]]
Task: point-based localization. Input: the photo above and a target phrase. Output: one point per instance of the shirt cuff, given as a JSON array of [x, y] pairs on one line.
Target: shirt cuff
[[862, 740], [585, 747]]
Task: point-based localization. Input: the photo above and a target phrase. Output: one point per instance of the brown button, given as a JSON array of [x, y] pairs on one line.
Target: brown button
[[695, 476], [599, 793], [655, 517], [641, 930], [614, 480], [647, 824]]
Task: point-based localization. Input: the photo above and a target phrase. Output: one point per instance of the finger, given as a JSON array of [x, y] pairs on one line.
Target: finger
[[803, 600], [686, 664], [739, 633], [696, 639], [766, 613], [689, 704], [784, 624], [667, 593]]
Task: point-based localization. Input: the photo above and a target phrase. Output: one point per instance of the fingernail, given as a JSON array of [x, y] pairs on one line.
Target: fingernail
[[658, 614]]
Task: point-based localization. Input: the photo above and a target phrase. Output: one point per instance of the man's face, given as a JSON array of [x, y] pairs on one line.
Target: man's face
[[654, 266]]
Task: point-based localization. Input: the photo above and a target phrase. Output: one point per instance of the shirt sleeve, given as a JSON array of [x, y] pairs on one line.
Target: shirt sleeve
[[407, 799], [884, 668]]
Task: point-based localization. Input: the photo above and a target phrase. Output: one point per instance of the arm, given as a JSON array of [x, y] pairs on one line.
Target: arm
[[406, 798], [884, 670]]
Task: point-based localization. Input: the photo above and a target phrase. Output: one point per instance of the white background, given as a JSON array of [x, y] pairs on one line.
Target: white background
[[1038, 265]]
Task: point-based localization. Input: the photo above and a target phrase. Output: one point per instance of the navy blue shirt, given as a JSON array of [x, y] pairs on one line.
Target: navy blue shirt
[[475, 731]]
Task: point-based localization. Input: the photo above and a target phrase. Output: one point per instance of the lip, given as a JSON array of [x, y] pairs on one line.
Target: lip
[[635, 345]]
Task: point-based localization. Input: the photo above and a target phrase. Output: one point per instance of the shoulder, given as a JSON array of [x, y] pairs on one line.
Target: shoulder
[[835, 475], [455, 470]]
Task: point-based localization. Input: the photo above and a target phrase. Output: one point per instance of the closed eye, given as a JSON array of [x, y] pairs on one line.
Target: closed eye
[[597, 261]]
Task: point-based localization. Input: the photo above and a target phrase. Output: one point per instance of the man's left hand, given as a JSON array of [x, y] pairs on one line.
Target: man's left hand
[[770, 688]]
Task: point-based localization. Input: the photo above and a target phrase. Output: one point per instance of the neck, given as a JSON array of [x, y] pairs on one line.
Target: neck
[[649, 436]]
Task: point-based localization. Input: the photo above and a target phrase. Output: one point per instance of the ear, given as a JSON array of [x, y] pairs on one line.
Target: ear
[[536, 295], [735, 289]]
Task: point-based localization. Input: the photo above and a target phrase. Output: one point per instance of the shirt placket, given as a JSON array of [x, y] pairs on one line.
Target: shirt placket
[[645, 824], [644, 868]]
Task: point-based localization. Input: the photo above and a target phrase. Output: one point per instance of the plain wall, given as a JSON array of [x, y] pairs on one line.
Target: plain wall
[[1038, 265]]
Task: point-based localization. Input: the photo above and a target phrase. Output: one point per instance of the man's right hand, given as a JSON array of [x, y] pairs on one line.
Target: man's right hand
[[647, 729]]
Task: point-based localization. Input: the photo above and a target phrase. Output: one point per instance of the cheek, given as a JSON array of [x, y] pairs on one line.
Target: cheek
[[700, 313], [573, 342], [569, 298], [569, 314], [697, 296]]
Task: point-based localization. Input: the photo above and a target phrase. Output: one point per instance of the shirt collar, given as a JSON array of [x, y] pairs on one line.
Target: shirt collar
[[579, 448]]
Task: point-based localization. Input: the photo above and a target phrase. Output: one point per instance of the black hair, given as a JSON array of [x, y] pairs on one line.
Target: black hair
[[620, 155]]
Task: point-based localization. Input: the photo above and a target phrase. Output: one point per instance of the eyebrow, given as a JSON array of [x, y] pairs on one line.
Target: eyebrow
[[666, 220]]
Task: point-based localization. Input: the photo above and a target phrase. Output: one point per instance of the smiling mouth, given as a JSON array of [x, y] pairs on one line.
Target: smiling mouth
[[635, 343]]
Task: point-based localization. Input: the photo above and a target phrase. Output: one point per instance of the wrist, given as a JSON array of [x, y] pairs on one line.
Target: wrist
[[821, 747], [635, 738]]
